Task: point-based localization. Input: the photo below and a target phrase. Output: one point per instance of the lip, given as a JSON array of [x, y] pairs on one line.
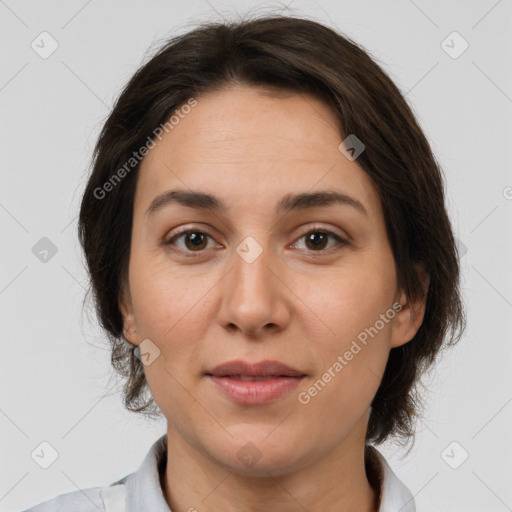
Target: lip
[[255, 392], [280, 379], [266, 368]]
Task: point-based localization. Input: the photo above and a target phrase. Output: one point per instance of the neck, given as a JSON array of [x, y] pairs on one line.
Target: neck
[[336, 481]]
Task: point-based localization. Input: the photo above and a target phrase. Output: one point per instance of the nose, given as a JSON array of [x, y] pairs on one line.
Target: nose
[[254, 295]]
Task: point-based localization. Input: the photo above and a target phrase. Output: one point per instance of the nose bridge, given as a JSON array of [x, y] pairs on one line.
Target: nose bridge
[[250, 279]]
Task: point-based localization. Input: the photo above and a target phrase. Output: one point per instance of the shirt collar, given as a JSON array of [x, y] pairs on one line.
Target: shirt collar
[[394, 495], [143, 488]]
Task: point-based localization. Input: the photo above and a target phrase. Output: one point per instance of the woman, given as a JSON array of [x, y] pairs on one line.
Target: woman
[[272, 261]]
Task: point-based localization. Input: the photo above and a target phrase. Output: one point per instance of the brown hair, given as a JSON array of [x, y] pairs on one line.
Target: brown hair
[[306, 57]]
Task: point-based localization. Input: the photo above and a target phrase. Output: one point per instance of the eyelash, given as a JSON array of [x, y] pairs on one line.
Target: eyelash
[[195, 254]]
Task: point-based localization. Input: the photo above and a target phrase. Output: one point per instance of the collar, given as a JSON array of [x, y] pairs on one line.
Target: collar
[[143, 488], [394, 496]]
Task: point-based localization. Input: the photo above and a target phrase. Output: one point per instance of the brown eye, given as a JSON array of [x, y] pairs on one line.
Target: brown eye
[[194, 241], [317, 240]]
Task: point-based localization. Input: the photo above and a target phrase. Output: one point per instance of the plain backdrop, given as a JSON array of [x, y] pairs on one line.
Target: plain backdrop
[[56, 383]]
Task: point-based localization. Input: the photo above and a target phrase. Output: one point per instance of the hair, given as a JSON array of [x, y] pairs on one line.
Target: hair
[[301, 56]]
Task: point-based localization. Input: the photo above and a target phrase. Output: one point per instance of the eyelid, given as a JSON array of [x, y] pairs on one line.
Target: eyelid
[[185, 230], [341, 241], [324, 229]]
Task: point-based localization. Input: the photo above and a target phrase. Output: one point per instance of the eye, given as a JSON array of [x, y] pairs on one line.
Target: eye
[[195, 241], [316, 239]]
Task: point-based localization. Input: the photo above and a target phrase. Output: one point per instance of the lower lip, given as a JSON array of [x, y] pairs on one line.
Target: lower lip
[[255, 392]]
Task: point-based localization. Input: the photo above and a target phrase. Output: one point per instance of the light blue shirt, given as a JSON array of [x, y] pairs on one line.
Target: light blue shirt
[[141, 491]]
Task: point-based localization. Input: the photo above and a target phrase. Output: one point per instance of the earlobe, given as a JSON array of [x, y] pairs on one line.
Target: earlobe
[[129, 335]]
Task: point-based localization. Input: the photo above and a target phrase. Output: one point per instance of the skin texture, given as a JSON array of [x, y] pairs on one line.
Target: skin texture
[[294, 303]]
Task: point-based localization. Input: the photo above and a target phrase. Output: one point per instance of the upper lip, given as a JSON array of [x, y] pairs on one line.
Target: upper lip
[[264, 368]]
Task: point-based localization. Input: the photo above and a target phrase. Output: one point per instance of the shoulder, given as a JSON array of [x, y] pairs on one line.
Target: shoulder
[[139, 490], [94, 499]]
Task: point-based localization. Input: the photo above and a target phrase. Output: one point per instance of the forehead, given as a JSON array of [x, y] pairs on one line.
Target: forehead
[[245, 142], [250, 122]]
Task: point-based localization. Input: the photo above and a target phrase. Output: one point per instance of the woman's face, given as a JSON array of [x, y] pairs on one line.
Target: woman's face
[[311, 284]]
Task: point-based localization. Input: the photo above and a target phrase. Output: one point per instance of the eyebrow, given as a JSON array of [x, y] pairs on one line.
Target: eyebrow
[[290, 202]]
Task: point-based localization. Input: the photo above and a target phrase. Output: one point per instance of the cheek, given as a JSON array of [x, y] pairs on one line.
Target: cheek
[[173, 310], [350, 300], [352, 361], [163, 298], [356, 308]]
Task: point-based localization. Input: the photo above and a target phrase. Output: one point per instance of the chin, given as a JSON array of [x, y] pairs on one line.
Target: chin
[[261, 452]]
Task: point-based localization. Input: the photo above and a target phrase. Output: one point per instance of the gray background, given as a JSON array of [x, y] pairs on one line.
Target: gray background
[[56, 380]]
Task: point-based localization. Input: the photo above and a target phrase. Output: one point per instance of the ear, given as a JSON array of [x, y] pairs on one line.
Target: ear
[[126, 308], [410, 317]]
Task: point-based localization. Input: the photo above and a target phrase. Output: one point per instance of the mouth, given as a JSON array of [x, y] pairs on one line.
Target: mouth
[[254, 384], [266, 368]]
